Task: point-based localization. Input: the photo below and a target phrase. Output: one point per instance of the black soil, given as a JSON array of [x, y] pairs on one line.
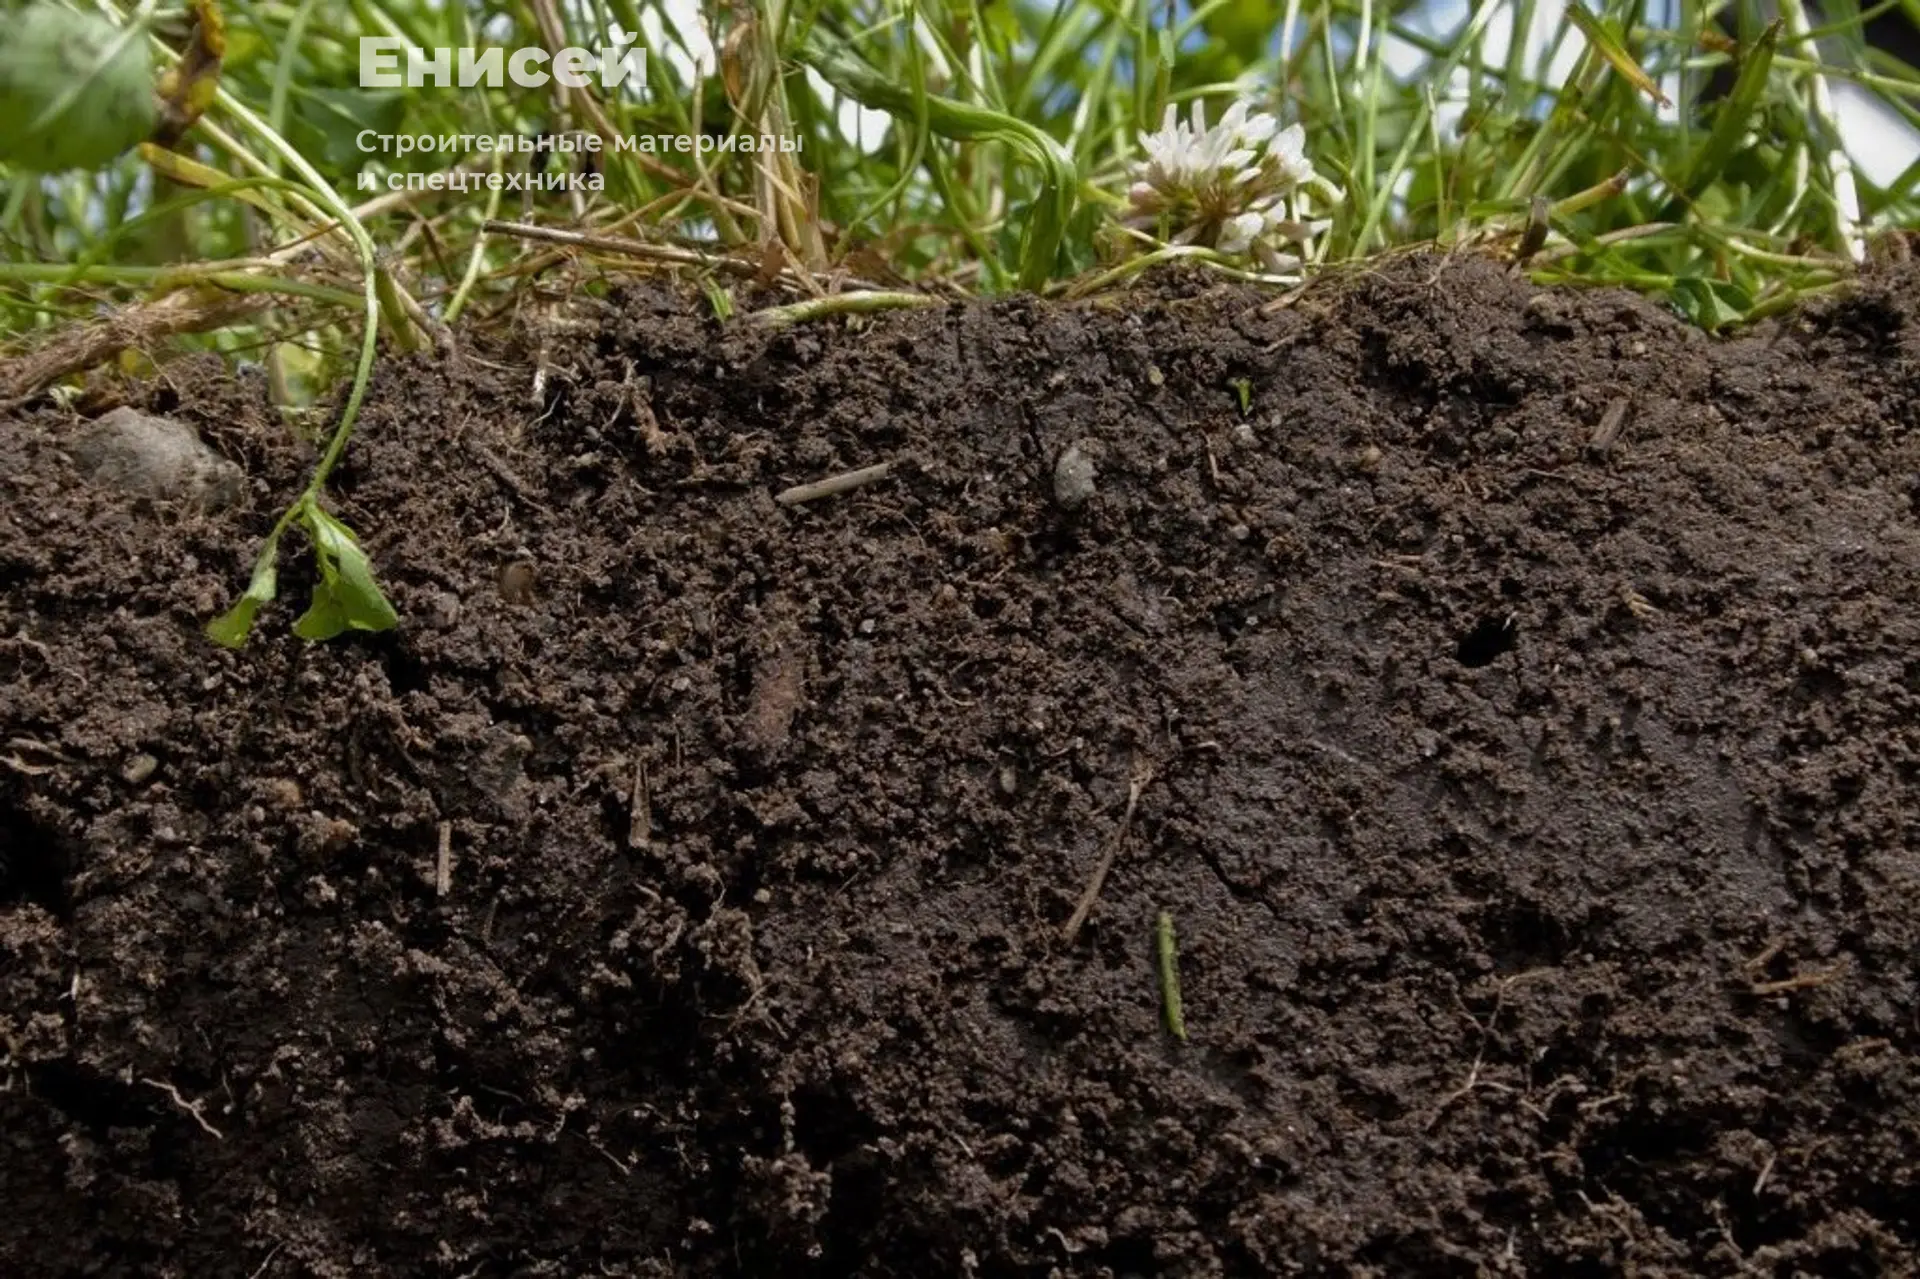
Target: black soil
[[1534, 792]]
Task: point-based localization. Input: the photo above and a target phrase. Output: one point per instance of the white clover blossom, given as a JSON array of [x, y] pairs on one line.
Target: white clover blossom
[[1235, 187]]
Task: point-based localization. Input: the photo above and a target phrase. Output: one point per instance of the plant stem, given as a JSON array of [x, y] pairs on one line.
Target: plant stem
[[1169, 953]]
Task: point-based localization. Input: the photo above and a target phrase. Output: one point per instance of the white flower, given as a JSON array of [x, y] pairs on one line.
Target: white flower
[[1289, 152], [1181, 155], [1234, 187], [1258, 128], [1241, 231]]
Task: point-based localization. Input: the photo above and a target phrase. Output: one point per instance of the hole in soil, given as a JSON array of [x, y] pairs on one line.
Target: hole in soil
[[1521, 936], [1127, 1256], [90, 1099], [859, 1182], [1495, 634], [405, 672], [33, 863], [1055, 544]]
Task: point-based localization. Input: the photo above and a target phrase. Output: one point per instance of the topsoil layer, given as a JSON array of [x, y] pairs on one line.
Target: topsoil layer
[[688, 886]]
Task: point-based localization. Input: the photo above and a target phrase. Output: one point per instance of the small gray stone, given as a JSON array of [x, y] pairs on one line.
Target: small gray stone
[[139, 768], [444, 609], [1073, 479], [155, 457]]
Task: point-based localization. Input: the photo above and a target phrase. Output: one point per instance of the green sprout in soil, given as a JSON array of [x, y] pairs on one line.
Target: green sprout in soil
[[76, 94], [1167, 950], [346, 597]]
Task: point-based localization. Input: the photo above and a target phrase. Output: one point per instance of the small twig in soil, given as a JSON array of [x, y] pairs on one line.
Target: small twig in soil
[[504, 473], [1169, 953], [190, 1107], [845, 482], [20, 765], [626, 1169], [268, 1262], [1801, 981], [1766, 1171], [640, 810], [443, 864], [1486, 1029], [1594, 1105], [645, 420], [1759, 962], [1856, 1048], [1092, 894], [1607, 433], [780, 317]]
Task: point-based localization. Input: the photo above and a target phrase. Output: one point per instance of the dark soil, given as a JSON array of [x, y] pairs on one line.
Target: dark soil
[[1538, 814]]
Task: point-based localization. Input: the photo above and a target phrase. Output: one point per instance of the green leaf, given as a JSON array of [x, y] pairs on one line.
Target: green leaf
[[346, 597], [1729, 126], [327, 122], [76, 91], [366, 608], [1608, 46], [232, 627], [1711, 304], [324, 618]]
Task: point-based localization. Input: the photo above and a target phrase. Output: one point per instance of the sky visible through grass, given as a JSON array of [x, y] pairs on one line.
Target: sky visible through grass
[[1879, 140]]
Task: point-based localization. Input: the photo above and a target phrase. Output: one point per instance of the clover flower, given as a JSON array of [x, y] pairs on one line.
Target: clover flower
[[1234, 187]]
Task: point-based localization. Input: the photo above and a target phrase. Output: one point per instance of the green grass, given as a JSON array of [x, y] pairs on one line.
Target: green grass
[[1003, 143], [1003, 160]]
